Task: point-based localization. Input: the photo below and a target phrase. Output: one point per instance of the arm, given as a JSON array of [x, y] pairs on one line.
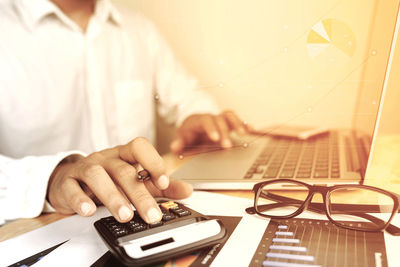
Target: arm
[[110, 177], [23, 184], [180, 100], [179, 93], [74, 183]]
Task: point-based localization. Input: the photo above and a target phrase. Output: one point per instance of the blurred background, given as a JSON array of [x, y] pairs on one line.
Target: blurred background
[[307, 62]]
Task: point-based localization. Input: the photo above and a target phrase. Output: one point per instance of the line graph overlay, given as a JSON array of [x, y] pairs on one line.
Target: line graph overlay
[[309, 108]]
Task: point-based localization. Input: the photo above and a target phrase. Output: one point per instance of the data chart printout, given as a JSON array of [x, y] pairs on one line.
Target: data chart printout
[[312, 243]]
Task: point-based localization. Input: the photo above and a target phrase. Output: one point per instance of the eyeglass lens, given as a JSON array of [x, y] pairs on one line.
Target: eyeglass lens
[[360, 207], [272, 199]]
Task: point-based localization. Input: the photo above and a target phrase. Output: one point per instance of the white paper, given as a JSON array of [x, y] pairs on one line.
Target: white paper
[[81, 250], [85, 246], [31, 243], [392, 244], [241, 245], [217, 204]]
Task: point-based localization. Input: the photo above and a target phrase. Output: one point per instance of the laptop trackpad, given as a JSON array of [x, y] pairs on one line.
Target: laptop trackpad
[[230, 164]]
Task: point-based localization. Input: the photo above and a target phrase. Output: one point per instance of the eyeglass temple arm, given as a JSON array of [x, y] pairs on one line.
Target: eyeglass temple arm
[[320, 208]]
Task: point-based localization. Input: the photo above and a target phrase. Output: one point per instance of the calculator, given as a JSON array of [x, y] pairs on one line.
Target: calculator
[[181, 231]]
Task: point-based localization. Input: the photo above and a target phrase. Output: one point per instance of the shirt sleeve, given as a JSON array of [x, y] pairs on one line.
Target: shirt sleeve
[[23, 184], [178, 93]]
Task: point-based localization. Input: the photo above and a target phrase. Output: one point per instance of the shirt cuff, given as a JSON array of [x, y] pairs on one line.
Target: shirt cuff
[[26, 190], [47, 207]]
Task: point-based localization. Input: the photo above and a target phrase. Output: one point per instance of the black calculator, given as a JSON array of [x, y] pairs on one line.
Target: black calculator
[[181, 231]]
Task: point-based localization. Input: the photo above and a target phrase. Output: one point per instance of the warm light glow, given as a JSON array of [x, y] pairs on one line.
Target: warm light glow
[[329, 44], [280, 58]]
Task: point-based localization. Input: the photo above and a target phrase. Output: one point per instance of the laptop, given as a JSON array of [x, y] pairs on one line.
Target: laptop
[[334, 157]]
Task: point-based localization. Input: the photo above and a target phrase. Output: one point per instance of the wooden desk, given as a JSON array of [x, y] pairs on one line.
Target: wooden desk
[[384, 173]]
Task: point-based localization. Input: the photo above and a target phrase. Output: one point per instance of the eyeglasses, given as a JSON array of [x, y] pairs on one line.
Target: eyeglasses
[[356, 207]]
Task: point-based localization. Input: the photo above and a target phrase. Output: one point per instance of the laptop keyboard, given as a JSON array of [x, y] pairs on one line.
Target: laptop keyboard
[[291, 158]]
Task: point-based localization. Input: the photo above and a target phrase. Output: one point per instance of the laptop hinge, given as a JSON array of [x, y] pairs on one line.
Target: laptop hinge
[[363, 154], [358, 149], [353, 164]]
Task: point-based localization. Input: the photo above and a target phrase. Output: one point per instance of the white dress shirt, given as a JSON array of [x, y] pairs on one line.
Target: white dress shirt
[[65, 91]]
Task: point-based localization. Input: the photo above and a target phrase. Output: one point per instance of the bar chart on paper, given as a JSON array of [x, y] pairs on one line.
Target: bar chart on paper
[[318, 243]]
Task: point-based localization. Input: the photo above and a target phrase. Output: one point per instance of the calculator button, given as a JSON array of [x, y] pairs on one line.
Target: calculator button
[[139, 228], [113, 227], [181, 212], [133, 224], [169, 205], [109, 219], [116, 229], [156, 224], [184, 213], [168, 217], [111, 224], [120, 233], [175, 211]]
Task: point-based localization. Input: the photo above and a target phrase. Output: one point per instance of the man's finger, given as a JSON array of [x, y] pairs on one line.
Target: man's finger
[[234, 122], [177, 145], [177, 190], [94, 176], [142, 151], [76, 198], [209, 127], [223, 131], [126, 176]]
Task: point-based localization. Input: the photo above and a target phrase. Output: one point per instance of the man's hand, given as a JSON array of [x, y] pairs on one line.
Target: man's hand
[[110, 177], [202, 128]]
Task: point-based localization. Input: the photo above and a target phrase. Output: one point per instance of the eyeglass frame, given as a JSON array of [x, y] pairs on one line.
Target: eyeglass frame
[[316, 207]]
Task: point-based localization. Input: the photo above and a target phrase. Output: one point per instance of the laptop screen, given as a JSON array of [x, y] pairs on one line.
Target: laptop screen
[[370, 98], [376, 61]]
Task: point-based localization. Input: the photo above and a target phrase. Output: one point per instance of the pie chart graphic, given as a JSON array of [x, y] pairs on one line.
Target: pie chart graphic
[[331, 42]]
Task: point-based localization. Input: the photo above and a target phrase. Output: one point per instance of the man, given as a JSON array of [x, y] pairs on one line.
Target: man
[[80, 76]]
